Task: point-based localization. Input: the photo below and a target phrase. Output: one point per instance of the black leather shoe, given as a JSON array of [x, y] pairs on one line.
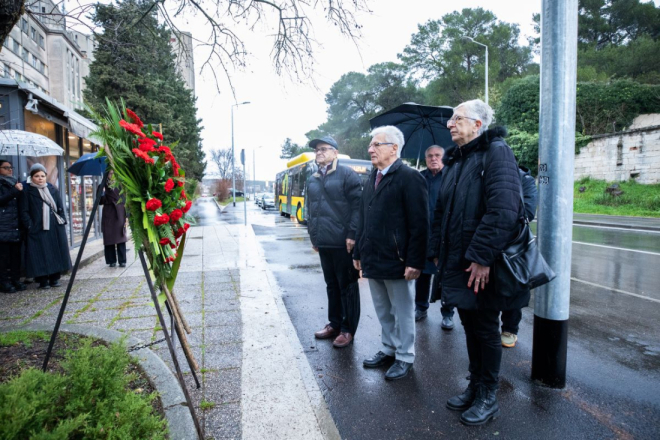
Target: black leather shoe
[[44, 285], [463, 401], [484, 408], [122, 264], [113, 264], [420, 314], [378, 360], [55, 283], [447, 323], [19, 286], [399, 370]]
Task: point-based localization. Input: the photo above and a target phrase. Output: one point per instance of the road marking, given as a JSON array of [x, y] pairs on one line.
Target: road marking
[[616, 248], [584, 225], [615, 290]]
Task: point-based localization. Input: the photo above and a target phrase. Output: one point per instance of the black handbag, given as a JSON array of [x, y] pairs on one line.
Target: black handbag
[[521, 266]]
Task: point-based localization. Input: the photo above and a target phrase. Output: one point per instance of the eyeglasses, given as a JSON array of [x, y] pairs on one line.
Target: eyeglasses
[[380, 144], [456, 119], [322, 150], [7, 168]]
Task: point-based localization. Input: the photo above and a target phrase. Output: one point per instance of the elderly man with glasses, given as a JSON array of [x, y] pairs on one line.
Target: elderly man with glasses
[[390, 248], [11, 229], [333, 197]]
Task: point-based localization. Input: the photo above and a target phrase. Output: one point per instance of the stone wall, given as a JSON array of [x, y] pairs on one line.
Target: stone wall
[[631, 154]]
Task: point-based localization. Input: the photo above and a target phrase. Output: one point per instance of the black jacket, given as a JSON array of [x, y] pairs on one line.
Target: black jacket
[[477, 214], [392, 231], [113, 219], [530, 192], [326, 226], [47, 252], [12, 219]]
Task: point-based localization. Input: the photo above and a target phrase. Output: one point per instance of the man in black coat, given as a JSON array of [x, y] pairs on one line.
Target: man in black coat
[[11, 229], [390, 247], [333, 197]]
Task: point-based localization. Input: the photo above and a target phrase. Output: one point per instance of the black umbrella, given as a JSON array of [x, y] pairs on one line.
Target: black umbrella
[[422, 126]]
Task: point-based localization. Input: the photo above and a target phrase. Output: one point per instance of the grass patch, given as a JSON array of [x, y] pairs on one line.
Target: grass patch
[[205, 404], [22, 337], [89, 397], [637, 200], [231, 200]]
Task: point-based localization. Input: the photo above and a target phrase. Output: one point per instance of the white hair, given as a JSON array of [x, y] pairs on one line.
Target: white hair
[[479, 110], [392, 134], [432, 147]]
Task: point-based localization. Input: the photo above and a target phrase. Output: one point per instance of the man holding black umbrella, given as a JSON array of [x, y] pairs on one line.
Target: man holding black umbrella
[[11, 229]]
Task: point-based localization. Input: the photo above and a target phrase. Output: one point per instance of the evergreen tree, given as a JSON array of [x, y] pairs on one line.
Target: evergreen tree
[[134, 61]]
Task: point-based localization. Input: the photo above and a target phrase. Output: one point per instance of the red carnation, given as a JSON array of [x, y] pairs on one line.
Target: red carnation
[[164, 149], [180, 183], [153, 204], [186, 226], [132, 128], [187, 207], [183, 195], [161, 219], [179, 232], [176, 215], [143, 155], [134, 118], [147, 144], [169, 185], [157, 135], [165, 241], [173, 246]]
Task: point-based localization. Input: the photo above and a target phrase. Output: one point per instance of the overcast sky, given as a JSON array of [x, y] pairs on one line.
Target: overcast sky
[[282, 108]]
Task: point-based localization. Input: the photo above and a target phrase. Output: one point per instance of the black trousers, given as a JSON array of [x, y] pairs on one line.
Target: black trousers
[[341, 281], [423, 294], [111, 254], [10, 261], [48, 278], [484, 344], [511, 320]]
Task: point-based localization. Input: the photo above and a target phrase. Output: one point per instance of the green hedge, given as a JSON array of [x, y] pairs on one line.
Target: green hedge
[[90, 400]]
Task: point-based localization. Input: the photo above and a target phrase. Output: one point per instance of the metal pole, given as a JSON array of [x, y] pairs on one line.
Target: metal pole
[[233, 176], [254, 176], [244, 193], [559, 21]]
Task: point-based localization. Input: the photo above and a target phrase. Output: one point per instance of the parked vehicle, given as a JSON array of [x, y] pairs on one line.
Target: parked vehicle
[[267, 201]]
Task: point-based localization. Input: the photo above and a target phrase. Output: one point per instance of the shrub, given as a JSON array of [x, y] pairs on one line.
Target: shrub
[[222, 189], [90, 400]]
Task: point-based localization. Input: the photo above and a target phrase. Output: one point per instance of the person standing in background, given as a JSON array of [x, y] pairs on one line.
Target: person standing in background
[[113, 225], [12, 223]]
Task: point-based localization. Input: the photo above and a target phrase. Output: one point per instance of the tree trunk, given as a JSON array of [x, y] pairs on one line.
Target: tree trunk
[[10, 13]]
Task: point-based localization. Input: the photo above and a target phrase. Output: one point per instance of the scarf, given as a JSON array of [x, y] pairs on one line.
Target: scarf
[[11, 180], [49, 206]]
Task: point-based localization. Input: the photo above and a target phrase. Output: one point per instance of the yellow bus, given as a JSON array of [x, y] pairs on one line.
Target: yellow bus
[[291, 184]]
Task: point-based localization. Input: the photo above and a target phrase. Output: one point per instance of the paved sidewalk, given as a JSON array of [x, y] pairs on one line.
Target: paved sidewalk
[[241, 336]]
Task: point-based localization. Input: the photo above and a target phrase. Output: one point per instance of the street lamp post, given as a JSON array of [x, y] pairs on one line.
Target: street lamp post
[[466, 38], [233, 174]]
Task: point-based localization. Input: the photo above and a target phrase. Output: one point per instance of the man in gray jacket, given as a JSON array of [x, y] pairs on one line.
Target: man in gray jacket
[[333, 197]]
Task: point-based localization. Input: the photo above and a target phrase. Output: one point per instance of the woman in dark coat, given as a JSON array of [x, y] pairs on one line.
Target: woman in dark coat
[[47, 251], [477, 214], [12, 222], [113, 226]]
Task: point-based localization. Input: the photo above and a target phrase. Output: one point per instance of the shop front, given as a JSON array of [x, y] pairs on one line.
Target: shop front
[[68, 130]]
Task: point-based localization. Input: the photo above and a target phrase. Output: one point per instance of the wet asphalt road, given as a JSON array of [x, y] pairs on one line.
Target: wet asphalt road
[[613, 388]]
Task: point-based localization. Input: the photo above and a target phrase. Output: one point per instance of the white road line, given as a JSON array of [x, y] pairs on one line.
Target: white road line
[[614, 228], [616, 248], [616, 290]]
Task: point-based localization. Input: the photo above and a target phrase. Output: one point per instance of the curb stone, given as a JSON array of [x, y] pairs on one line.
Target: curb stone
[[179, 419]]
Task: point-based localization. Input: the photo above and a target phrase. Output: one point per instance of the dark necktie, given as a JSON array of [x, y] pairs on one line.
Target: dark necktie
[[379, 177]]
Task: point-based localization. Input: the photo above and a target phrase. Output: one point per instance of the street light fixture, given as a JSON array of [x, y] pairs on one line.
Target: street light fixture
[[466, 38], [233, 175]]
